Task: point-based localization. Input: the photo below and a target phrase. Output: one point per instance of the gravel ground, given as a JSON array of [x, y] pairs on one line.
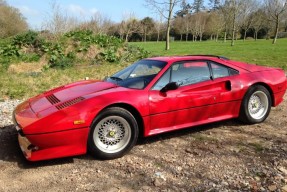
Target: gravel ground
[[225, 156]]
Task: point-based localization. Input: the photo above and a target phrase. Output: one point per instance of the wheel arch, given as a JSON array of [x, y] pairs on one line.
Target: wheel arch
[[269, 90], [133, 111]]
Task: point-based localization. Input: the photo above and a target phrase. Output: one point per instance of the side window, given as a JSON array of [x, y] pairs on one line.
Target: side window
[[165, 79], [184, 73], [219, 70], [190, 72]]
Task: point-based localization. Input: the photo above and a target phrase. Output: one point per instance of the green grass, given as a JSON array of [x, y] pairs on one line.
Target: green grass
[[261, 52], [26, 84], [19, 84]]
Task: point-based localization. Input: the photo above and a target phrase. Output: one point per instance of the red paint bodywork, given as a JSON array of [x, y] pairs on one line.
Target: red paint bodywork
[[46, 122]]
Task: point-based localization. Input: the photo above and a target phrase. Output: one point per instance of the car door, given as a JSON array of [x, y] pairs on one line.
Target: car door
[[227, 94], [189, 104]]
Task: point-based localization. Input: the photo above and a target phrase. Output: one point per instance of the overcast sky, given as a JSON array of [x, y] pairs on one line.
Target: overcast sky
[[36, 11]]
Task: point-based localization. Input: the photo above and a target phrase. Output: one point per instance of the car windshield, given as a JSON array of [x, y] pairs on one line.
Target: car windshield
[[137, 75]]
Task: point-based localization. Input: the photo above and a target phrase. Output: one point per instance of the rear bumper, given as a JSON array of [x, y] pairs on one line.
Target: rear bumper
[[54, 145]]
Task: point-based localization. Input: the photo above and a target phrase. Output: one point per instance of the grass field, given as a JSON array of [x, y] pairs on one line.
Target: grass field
[[20, 81], [261, 52]]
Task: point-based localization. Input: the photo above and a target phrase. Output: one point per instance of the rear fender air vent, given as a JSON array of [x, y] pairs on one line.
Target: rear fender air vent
[[55, 89], [69, 103], [53, 99]]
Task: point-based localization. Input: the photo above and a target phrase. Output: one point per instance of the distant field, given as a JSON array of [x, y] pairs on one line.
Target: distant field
[[261, 52]]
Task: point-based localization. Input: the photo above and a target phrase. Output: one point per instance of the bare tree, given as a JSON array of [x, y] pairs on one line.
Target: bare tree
[[197, 24], [232, 11], [201, 18], [194, 27], [226, 14], [59, 22], [215, 24], [159, 27], [259, 22], [198, 5], [165, 8], [98, 24], [187, 25], [128, 26], [285, 22], [179, 26], [247, 16], [275, 10]]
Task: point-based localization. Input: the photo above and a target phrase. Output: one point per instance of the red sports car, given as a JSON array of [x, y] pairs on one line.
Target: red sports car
[[152, 96]]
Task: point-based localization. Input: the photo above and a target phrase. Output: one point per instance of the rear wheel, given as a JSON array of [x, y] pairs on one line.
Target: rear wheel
[[113, 133], [256, 105]]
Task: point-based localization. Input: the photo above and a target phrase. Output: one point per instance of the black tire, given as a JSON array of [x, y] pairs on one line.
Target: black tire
[[256, 105], [113, 133]]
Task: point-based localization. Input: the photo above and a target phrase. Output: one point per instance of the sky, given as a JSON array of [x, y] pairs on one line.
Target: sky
[[38, 11]]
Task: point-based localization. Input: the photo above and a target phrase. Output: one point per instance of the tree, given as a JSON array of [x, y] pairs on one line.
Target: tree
[[129, 26], [232, 10], [98, 23], [185, 9], [275, 10], [182, 17], [12, 21], [247, 16], [201, 20], [146, 26], [165, 8], [159, 27], [198, 5], [259, 22], [179, 26], [215, 24], [226, 14], [194, 27], [285, 22], [214, 4], [59, 22]]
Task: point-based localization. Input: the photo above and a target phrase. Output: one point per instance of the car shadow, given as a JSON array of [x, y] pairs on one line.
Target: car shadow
[[11, 152], [187, 131]]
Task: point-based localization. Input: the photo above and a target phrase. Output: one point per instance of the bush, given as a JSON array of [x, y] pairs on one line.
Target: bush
[[82, 45], [29, 38], [63, 63]]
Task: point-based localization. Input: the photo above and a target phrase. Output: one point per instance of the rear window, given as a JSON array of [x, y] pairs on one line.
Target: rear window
[[219, 70]]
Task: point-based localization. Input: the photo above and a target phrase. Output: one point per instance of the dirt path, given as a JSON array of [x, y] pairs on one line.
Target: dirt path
[[225, 156]]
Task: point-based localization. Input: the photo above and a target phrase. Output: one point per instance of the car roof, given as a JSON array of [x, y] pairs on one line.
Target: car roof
[[220, 59]]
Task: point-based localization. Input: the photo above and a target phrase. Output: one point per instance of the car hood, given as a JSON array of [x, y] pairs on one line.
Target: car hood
[[67, 95]]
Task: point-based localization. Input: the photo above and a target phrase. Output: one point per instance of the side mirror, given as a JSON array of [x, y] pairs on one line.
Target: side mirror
[[169, 86]]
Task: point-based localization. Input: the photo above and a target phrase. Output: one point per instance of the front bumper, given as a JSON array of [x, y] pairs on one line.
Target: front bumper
[[54, 145], [25, 146], [51, 145]]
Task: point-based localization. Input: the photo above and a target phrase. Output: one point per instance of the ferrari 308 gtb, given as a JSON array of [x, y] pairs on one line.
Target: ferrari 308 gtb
[[149, 97]]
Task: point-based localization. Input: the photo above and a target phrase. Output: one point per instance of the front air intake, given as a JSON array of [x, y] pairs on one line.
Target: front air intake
[[53, 99], [69, 103]]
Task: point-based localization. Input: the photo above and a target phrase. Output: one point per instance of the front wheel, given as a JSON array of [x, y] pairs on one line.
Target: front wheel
[[256, 105], [113, 133]]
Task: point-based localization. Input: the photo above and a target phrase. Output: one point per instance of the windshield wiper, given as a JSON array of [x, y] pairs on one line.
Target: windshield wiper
[[116, 78]]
